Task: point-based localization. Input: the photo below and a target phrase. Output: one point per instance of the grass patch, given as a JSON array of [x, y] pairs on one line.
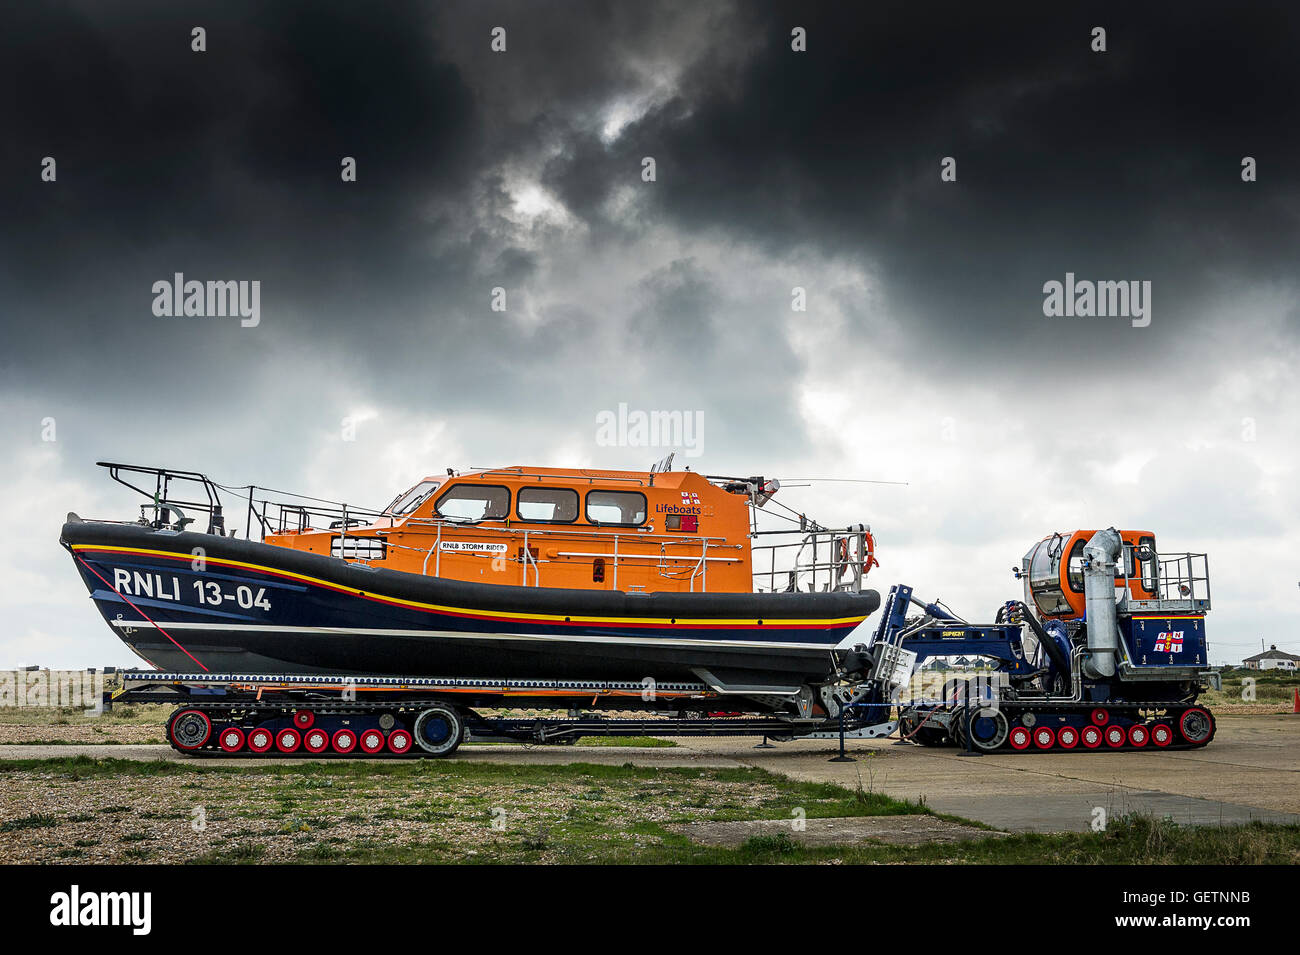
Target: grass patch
[[36, 821], [642, 742], [1270, 687], [779, 844]]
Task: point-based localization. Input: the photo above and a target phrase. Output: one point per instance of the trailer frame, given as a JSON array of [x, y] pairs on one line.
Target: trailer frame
[[276, 702]]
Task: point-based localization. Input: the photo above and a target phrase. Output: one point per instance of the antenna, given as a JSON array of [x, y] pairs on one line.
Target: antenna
[[845, 481], [664, 465]]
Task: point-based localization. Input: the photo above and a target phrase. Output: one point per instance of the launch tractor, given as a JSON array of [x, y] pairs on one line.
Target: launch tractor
[[1107, 650]]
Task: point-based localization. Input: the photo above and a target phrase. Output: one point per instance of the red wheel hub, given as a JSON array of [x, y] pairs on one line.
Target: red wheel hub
[[1162, 734], [1068, 737], [1100, 717], [288, 739], [1044, 737], [1020, 737], [316, 741], [345, 741], [399, 741], [260, 739], [231, 739], [372, 741], [1115, 736], [1090, 736], [303, 719], [1139, 735]]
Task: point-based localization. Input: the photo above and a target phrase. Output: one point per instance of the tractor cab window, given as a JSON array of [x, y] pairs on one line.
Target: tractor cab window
[[412, 499], [1045, 578], [1148, 546], [1124, 569], [1074, 572], [475, 502]]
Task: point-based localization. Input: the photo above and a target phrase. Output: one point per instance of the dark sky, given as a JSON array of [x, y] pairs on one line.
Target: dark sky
[[924, 354]]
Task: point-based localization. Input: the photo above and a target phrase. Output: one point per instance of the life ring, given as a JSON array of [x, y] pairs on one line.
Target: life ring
[[868, 556]]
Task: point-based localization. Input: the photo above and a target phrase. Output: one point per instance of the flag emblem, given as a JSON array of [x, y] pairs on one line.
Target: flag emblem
[[1170, 642]]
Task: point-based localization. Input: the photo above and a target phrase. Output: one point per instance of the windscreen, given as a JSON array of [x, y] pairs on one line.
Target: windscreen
[[412, 499]]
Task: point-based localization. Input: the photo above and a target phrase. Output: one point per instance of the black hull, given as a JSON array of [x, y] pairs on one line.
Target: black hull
[[254, 608]]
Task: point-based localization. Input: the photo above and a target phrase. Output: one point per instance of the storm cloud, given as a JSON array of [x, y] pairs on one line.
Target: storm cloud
[[924, 354]]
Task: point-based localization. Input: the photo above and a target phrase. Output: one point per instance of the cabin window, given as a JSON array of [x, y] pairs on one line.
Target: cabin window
[[1128, 569], [1124, 569], [413, 498], [1044, 579], [475, 502], [1075, 570], [626, 508], [1149, 565], [547, 505]]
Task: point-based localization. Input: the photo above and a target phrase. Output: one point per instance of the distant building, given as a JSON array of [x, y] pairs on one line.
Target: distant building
[[1272, 659]]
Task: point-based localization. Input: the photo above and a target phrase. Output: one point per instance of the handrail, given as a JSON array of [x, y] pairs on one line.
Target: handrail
[[257, 508], [1175, 578], [163, 503], [829, 573], [576, 476]]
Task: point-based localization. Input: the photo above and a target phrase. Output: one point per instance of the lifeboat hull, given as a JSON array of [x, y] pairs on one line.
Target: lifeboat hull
[[195, 603]]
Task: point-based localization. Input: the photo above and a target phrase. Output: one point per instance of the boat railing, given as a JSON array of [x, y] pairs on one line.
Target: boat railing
[[610, 546], [172, 495], [813, 558], [173, 498]]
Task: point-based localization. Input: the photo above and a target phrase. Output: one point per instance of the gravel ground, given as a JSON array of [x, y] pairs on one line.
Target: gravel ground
[[270, 817], [82, 733], [895, 830], [1248, 709]]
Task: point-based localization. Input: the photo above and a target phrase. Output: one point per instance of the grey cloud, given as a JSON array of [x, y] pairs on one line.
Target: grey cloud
[[775, 169]]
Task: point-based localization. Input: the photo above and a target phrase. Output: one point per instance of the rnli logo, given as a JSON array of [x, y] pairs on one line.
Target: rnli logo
[[690, 505], [1170, 642]]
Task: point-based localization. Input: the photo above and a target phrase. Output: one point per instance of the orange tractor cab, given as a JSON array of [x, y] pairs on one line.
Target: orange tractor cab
[[1053, 572]]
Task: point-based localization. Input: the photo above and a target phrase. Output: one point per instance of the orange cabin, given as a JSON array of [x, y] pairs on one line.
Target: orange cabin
[[554, 527], [1053, 572]]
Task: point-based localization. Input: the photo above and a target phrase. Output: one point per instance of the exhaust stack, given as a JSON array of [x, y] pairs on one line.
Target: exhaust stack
[[1100, 556]]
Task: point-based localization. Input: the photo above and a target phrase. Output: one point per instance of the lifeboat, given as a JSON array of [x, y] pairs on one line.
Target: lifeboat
[[510, 573]]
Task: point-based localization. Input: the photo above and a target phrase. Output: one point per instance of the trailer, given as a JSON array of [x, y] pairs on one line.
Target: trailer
[[253, 715]]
